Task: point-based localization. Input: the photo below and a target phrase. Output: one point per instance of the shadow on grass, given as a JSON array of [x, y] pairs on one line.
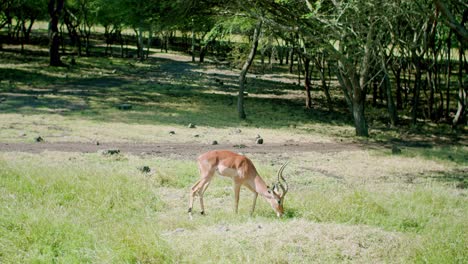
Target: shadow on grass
[[457, 177], [161, 91]]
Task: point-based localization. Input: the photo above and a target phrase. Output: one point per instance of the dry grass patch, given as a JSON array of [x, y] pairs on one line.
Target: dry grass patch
[[295, 241]]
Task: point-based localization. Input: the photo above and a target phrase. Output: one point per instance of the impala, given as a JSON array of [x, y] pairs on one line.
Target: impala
[[242, 171]]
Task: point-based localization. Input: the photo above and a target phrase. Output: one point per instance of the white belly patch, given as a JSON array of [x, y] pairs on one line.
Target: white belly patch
[[227, 172]]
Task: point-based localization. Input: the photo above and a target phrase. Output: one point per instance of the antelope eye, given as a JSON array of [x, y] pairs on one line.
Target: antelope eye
[[279, 201]]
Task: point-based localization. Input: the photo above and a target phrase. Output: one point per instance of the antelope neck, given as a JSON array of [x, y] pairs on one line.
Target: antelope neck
[[261, 187]]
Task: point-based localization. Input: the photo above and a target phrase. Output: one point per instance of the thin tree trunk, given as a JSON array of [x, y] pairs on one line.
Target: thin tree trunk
[[141, 45], [262, 58], [245, 68], [307, 82], [359, 100], [299, 69], [280, 54], [375, 93], [397, 73], [320, 63], [407, 84], [416, 90], [449, 71], [121, 39], [150, 39], [390, 103], [23, 25], [291, 57], [462, 99], [193, 42], [270, 63], [430, 103], [345, 86]]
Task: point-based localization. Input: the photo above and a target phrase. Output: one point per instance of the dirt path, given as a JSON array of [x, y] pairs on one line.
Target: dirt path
[[189, 150]]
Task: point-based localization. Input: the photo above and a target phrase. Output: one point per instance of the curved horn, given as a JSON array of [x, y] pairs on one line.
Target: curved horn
[[280, 177]]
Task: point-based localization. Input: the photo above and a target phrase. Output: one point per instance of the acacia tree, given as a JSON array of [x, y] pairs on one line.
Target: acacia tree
[[355, 35], [348, 32], [459, 9], [245, 69]]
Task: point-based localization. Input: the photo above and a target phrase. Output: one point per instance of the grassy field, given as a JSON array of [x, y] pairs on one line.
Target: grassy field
[[361, 205]]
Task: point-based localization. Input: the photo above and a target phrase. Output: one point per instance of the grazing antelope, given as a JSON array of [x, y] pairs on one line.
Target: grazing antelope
[[242, 171]]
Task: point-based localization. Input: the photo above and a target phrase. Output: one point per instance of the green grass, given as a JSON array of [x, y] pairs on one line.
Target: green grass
[[77, 210], [73, 208]]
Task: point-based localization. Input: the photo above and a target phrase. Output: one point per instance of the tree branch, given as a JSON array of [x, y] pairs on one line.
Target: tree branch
[[451, 22]]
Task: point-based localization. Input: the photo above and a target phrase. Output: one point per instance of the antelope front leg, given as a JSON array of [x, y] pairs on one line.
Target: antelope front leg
[[202, 191], [236, 196], [193, 192], [254, 202]]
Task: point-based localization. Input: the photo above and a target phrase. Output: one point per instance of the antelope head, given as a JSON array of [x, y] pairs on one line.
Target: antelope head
[[278, 191]]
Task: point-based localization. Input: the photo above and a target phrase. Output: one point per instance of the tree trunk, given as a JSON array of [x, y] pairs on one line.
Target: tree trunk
[[202, 53], [449, 71], [270, 54], [107, 35], [416, 90], [27, 30], [375, 93], [141, 44], [320, 63], [359, 100], [460, 116], [55, 8], [262, 59], [390, 103], [430, 102], [87, 36], [307, 82], [193, 42], [150, 39], [281, 54], [291, 59], [345, 87], [397, 73], [359, 118], [299, 69], [360, 83], [72, 32], [245, 68]]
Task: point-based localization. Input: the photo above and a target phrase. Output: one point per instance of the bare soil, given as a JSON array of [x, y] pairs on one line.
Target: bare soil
[[184, 150]]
